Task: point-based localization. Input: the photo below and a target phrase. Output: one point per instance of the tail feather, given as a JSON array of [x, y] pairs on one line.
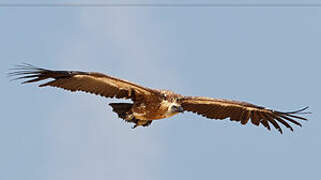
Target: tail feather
[[122, 109]]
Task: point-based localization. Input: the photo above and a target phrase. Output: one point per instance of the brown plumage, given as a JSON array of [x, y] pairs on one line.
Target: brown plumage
[[151, 104]]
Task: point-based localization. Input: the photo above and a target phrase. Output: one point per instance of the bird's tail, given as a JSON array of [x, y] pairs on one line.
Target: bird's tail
[[122, 109]]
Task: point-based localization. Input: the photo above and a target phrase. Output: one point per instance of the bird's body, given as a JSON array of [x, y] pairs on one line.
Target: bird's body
[[149, 108], [152, 104]]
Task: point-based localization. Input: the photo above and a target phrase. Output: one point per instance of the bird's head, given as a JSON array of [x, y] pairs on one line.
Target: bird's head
[[175, 108]]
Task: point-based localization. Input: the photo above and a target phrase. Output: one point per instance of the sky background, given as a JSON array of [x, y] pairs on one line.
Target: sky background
[[266, 56]]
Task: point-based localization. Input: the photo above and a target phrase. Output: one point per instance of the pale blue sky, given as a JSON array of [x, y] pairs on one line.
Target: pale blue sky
[[266, 56]]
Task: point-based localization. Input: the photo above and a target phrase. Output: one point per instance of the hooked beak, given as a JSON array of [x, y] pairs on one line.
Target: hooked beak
[[180, 109]]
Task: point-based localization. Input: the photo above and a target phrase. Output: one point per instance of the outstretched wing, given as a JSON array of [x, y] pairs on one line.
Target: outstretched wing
[[90, 82], [241, 111]]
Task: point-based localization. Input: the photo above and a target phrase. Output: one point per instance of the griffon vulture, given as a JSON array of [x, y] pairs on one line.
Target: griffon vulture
[[152, 104]]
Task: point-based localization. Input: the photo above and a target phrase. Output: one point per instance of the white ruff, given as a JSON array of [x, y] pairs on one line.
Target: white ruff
[[169, 113]]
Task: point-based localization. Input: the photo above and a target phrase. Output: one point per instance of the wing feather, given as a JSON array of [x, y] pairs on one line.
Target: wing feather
[[272, 121], [242, 112], [245, 117], [255, 119], [264, 122], [282, 121], [90, 82]]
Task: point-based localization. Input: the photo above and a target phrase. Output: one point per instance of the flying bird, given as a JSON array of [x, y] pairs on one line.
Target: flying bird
[[152, 104]]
